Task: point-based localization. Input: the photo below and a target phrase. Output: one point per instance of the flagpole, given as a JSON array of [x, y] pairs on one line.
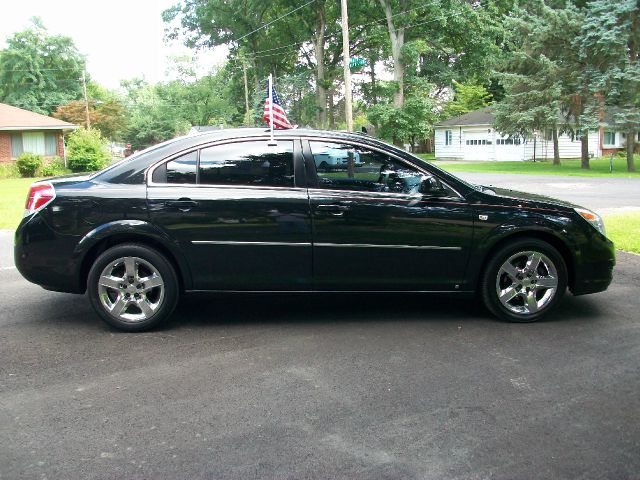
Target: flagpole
[[272, 141]]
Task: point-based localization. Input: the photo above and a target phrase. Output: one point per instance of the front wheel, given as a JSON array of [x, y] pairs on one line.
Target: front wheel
[[524, 281], [132, 287]]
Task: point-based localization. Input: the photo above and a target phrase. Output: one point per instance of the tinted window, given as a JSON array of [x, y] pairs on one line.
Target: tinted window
[[248, 163], [349, 167], [182, 169]]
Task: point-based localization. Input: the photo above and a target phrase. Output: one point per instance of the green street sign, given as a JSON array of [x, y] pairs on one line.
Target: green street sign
[[356, 63]]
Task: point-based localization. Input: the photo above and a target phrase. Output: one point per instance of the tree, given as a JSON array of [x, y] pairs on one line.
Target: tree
[[541, 72], [39, 71], [410, 123], [609, 43], [453, 43], [109, 117], [468, 97]]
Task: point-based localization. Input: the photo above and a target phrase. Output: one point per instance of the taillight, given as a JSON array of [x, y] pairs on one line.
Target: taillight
[[40, 195]]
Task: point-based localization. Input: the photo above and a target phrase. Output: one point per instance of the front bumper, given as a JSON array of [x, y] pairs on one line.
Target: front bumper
[[595, 270]]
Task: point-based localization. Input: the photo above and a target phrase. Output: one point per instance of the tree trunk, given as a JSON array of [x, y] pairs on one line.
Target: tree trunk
[[332, 113], [584, 153], [396, 35], [556, 148], [631, 146], [318, 46], [633, 60]]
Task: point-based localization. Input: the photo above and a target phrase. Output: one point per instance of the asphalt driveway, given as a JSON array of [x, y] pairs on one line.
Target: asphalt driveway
[[364, 386], [601, 194]]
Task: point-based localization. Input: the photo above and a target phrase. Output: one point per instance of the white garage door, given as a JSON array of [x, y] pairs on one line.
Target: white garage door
[[509, 149], [477, 146]]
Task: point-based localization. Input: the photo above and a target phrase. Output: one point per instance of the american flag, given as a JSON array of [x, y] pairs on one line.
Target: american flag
[[279, 117]]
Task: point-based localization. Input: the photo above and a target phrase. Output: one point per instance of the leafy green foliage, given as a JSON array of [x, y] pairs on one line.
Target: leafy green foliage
[[541, 74], [109, 117], [467, 98], [410, 123], [86, 151], [54, 167], [609, 43], [29, 164], [39, 71]]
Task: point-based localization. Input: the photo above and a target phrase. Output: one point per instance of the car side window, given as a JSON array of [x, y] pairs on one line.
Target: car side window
[[179, 170], [248, 163], [342, 166]]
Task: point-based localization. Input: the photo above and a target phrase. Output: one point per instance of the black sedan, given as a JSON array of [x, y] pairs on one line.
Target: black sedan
[[234, 211]]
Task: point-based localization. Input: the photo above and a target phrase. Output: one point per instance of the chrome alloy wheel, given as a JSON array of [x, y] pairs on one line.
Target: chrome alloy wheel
[[526, 282], [130, 289]]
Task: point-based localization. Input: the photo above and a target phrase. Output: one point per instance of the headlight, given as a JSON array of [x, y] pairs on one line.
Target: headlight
[[593, 218]]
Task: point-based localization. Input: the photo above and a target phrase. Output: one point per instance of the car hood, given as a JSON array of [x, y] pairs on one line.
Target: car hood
[[530, 198]]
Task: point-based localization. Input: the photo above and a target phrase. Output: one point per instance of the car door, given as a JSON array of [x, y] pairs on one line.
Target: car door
[[373, 228], [239, 211]]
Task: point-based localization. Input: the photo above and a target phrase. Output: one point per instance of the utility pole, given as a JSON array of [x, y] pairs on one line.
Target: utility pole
[[246, 94], [347, 73], [86, 101]]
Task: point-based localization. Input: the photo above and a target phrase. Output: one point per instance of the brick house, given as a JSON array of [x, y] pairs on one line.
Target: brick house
[[25, 131]]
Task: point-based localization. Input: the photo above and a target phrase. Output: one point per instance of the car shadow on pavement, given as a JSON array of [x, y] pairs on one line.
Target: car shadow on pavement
[[201, 310]]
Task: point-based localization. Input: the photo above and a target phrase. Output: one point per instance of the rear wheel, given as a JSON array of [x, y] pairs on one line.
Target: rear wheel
[[132, 287], [524, 281]]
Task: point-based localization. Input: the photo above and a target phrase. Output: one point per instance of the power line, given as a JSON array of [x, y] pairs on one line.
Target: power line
[[442, 17], [274, 21], [429, 4]]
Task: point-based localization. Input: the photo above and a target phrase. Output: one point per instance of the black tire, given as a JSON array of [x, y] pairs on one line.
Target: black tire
[[127, 296], [324, 167], [494, 277]]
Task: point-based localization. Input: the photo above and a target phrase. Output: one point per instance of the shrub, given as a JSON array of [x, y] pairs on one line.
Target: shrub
[[54, 168], [29, 164], [87, 151]]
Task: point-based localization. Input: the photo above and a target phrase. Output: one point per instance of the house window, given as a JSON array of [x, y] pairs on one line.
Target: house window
[[16, 145], [609, 138], [448, 137], [548, 134], [33, 142], [50, 144]]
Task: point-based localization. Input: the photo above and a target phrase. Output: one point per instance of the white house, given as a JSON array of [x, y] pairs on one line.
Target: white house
[[472, 136]]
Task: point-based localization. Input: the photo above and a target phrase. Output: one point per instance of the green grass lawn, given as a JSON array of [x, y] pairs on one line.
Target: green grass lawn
[[624, 230], [13, 196], [569, 167]]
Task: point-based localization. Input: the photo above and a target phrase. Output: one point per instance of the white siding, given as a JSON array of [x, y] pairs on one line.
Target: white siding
[[491, 150], [569, 148], [453, 151]]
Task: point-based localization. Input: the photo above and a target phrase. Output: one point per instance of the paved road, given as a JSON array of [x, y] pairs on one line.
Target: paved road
[[604, 195], [358, 387]]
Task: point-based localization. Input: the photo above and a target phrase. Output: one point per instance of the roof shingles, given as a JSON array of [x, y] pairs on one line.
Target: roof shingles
[[14, 118]]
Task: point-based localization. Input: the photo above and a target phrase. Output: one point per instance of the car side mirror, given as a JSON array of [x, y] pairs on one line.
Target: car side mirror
[[432, 187]]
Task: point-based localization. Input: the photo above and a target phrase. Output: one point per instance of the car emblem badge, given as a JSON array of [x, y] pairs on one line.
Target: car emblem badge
[[483, 217]]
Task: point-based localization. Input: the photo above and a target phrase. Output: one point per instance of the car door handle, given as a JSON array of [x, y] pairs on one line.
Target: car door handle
[[335, 210], [182, 204]]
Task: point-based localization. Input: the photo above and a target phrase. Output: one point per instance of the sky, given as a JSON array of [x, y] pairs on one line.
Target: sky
[[121, 38]]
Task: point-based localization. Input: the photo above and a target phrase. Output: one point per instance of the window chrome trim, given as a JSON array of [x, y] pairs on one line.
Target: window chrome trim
[[371, 245], [152, 168], [229, 242], [332, 245]]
